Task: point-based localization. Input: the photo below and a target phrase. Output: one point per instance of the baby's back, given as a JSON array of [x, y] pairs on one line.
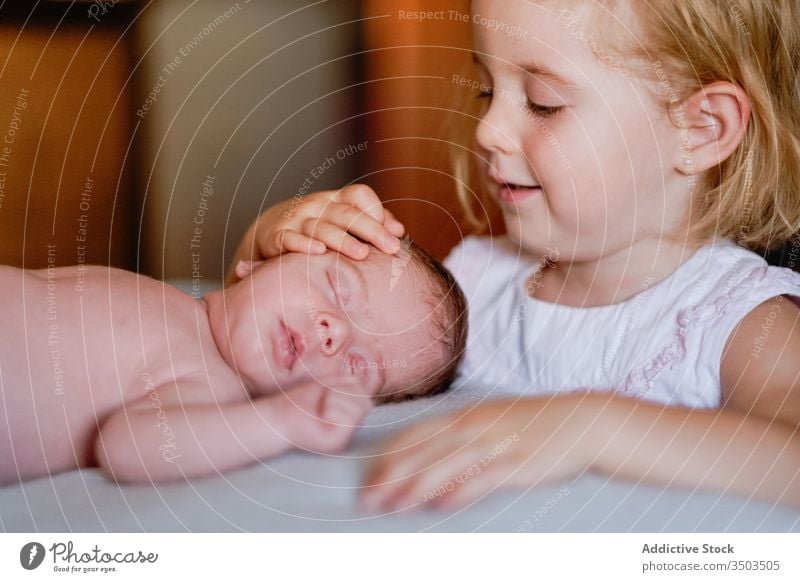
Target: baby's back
[[78, 343]]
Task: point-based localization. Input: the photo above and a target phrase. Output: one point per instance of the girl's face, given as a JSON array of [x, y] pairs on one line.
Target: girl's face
[[580, 150]]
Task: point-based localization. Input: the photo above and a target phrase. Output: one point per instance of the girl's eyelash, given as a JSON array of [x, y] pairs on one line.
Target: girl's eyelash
[[534, 108], [543, 110]]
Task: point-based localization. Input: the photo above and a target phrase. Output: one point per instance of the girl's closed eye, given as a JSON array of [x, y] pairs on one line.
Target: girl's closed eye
[[530, 106], [543, 110]]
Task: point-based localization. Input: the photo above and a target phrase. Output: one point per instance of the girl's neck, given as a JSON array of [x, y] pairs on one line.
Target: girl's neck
[[610, 279]]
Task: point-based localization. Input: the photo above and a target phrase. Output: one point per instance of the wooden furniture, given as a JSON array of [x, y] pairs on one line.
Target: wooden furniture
[[415, 53], [66, 192]]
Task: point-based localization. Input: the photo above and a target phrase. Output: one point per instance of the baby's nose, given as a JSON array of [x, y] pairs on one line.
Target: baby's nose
[[333, 332]]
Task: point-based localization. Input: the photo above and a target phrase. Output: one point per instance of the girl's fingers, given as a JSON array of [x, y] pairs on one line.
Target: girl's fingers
[[363, 226], [429, 475], [402, 453], [296, 242], [408, 474], [425, 484], [392, 224], [365, 199], [335, 238], [471, 488], [391, 495]]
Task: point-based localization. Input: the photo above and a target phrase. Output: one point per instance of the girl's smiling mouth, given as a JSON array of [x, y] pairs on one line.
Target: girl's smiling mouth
[[511, 192], [515, 192]]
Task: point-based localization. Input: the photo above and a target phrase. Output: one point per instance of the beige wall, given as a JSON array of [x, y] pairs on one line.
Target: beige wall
[[217, 104]]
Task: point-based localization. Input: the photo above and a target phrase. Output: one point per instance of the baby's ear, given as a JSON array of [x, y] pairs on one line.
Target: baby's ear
[[244, 268]]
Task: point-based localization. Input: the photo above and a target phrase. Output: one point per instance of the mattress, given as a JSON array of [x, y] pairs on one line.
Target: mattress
[[303, 492]]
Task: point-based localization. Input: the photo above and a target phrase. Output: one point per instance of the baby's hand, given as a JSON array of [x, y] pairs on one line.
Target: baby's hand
[[324, 219], [322, 417], [460, 457]]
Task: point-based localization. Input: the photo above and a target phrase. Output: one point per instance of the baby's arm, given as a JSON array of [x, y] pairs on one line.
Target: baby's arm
[[169, 435]]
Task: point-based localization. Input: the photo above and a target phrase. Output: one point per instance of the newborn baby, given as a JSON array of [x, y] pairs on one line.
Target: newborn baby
[[119, 370]]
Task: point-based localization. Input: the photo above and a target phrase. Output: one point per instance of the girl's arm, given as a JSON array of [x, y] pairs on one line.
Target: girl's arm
[[721, 450], [523, 443], [159, 440], [750, 447]]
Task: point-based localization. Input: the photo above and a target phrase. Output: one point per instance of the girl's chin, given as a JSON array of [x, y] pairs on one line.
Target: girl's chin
[[538, 246]]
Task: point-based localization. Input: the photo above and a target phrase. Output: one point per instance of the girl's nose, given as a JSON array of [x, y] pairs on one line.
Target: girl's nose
[[496, 129], [333, 332]]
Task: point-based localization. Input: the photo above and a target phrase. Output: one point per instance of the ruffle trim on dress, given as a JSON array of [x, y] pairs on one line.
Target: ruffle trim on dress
[[640, 381]]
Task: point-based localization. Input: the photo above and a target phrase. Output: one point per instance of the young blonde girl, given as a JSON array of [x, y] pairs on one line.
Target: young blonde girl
[[634, 149]]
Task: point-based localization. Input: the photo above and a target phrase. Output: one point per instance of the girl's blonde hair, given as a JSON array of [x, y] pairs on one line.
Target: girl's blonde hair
[[753, 197]]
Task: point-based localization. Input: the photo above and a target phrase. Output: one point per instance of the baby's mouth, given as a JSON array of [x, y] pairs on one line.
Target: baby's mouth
[[289, 347]]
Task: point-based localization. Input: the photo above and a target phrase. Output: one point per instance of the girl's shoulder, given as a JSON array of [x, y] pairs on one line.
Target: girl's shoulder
[[731, 283], [732, 279]]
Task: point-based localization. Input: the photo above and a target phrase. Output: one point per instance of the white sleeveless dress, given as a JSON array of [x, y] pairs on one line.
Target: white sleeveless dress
[[664, 344]]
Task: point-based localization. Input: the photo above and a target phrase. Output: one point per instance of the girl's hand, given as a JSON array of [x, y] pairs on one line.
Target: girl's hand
[[459, 457], [323, 220]]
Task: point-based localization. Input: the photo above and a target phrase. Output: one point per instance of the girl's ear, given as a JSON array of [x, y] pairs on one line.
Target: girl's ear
[[244, 268], [713, 121]]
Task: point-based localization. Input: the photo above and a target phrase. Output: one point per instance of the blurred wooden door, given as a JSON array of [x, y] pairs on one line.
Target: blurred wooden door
[[416, 52], [65, 194]]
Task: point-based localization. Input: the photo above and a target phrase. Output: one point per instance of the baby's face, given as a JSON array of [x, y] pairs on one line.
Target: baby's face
[[301, 317]]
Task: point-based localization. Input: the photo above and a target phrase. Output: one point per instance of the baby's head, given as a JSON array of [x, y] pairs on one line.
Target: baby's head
[[640, 120], [399, 322]]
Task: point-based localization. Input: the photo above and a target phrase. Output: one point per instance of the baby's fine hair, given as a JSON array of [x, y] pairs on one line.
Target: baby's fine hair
[[449, 316], [753, 197]]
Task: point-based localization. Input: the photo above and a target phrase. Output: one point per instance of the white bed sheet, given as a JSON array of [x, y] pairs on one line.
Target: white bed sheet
[[308, 493]]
